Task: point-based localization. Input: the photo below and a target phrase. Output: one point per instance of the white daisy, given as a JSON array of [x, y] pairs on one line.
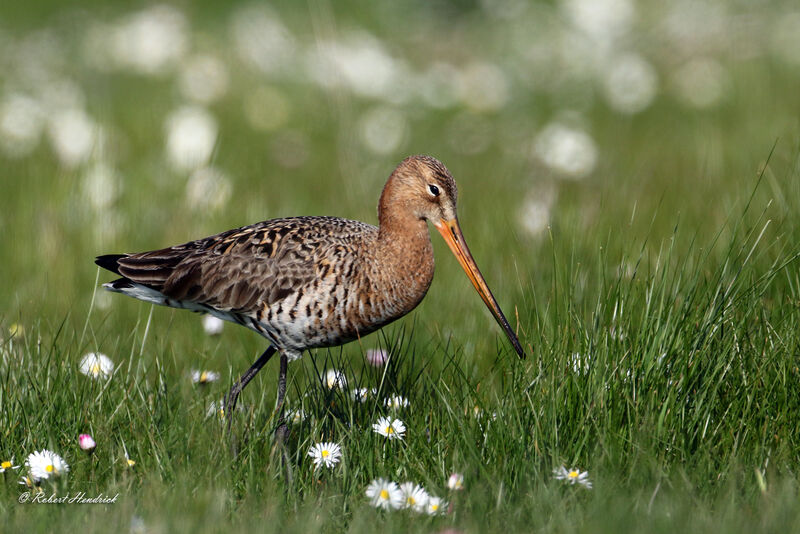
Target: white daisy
[[204, 377], [327, 454], [96, 365], [396, 401], [573, 476], [415, 496], [385, 494], [8, 464], [359, 394], [435, 506], [294, 417], [45, 464], [391, 428], [335, 379], [218, 408], [456, 481]]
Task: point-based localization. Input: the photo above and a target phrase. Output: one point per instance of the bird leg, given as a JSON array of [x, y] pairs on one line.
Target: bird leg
[[282, 432], [236, 389]]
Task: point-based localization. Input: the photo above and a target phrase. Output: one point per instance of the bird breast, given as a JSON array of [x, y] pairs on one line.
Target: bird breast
[[358, 289]]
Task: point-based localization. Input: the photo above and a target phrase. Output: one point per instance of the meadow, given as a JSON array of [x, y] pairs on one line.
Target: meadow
[[629, 184]]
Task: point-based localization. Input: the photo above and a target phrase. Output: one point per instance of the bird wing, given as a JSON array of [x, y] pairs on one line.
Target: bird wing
[[242, 269]]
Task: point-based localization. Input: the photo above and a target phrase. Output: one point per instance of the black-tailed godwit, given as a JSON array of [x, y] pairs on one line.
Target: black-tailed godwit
[[308, 282]]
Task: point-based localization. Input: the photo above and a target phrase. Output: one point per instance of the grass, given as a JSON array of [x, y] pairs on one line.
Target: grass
[[659, 307]]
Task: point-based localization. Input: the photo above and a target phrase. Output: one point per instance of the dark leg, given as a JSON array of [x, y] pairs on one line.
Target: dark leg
[[282, 433], [233, 395], [283, 430]]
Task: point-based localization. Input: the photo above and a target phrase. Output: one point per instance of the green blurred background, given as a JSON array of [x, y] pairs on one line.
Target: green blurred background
[[582, 129]]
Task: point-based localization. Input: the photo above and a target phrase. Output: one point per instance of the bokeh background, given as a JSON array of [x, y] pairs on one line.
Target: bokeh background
[[629, 177], [132, 126]]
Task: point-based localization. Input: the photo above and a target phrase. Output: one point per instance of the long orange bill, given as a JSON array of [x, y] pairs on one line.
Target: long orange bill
[[451, 232]]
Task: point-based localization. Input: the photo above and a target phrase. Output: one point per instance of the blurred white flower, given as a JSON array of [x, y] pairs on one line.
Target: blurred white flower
[[204, 377], [208, 189], [534, 215], [96, 365], [261, 39], [191, 136], [396, 402], [21, 124], [295, 416], [45, 464], [630, 83], [385, 494], [456, 481], [86, 442], [573, 476], [390, 428], [8, 464], [150, 41], [359, 394], [602, 20], [569, 151], [101, 185], [383, 129], [335, 379], [72, 135], [376, 357], [203, 78], [212, 325], [415, 496], [218, 408], [325, 454], [483, 87], [359, 62], [701, 82], [436, 506]]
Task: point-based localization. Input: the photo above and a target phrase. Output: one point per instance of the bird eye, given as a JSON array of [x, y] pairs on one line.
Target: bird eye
[[433, 190]]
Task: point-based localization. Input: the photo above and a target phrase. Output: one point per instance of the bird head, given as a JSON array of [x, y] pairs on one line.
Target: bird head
[[423, 187]]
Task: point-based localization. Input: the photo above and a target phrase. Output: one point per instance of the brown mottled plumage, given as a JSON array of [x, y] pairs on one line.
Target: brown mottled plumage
[[306, 282]]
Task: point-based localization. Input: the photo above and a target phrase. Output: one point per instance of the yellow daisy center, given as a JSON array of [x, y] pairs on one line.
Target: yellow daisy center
[[131, 462], [435, 507], [324, 453], [573, 474], [389, 430], [95, 369], [412, 501], [384, 495], [49, 468], [203, 377], [5, 465]]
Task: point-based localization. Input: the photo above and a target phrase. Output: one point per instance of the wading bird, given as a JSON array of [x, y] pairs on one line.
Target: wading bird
[[308, 282]]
